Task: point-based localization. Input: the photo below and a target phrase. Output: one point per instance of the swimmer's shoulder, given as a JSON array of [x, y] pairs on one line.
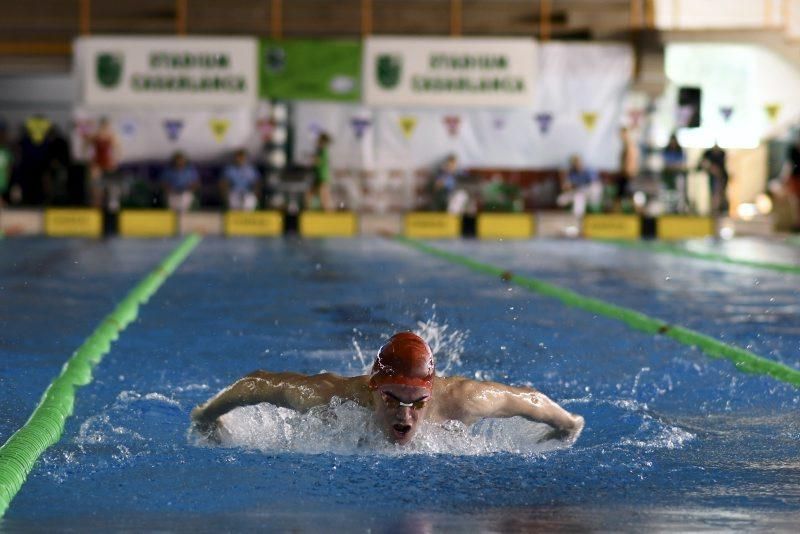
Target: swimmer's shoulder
[[449, 394]]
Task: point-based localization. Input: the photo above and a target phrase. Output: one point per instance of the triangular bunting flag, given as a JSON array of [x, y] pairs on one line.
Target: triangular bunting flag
[[128, 127], [773, 110], [452, 122], [265, 127], [219, 128], [173, 128], [360, 126], [407, 124], [84, 127], [726, 112], [315, 128], [37, 128], [635, 117], [544, 120], [589, 119]]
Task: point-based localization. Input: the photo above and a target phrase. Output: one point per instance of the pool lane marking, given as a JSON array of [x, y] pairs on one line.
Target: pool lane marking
[[742, 359], [709, 256], [46, 424]]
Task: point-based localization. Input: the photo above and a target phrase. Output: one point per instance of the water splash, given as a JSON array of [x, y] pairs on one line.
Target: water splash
[[346, 428], [447, 345]]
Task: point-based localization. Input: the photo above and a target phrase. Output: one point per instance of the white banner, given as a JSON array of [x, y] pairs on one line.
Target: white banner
[[577, 110], [445, 71], [167, 72], [154, 135]]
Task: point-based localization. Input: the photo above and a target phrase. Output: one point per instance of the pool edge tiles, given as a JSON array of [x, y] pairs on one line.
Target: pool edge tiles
[[742, 359], [46, 424]]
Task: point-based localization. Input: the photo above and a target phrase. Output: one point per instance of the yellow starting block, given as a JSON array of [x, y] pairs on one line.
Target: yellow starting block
[[505, 226], [147, 223], [432, 225], [684, 226], [254, 223], [73, 222], [612, 226], [328, 224]]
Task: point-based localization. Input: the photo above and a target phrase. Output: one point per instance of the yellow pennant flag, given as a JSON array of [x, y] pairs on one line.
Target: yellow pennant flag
[[408, 124], [589, 119], [773, 110], [37, 128], [219, 128]]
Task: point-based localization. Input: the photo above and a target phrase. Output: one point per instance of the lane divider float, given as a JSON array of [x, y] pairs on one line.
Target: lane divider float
[[710, 256], [742, 359], [46, 424]]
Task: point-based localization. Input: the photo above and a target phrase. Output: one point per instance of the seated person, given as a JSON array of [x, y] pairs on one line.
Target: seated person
[[181, 181], [402, 390], [240, 183], [582, 187]]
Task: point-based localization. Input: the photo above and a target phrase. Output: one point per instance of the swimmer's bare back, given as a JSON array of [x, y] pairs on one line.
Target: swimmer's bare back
[[453, 398]]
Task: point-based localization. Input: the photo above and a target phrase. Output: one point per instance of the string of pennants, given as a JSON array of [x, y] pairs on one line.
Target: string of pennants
[[452, 124], [173, 128]]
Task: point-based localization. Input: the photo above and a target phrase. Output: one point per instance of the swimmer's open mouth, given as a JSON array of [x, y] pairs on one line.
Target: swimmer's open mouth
[[401, 430]]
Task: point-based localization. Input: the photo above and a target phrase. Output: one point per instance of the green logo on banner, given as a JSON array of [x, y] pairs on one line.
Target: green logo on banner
[[389, 68], [108, 68]]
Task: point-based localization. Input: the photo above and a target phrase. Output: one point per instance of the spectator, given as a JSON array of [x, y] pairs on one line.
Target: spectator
[[673, 176], [582, 187], [60, 160], [791, 179], [321, 188], [713, 162], [103, 165], [31, 174], [628, 168], [445, 194], [180, 181], [6, 160], [240, 183]]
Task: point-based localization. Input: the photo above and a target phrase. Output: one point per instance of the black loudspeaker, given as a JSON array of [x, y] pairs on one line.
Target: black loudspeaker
[[689, 107]]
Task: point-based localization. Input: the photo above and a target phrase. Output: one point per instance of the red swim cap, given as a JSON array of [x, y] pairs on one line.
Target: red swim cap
[[405, 359]]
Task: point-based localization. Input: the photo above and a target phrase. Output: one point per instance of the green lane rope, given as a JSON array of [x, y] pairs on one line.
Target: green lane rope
[[45, 426], [710, 256], [744, 360]]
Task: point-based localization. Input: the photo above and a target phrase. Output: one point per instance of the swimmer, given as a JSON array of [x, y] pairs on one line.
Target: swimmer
[[402, 391]]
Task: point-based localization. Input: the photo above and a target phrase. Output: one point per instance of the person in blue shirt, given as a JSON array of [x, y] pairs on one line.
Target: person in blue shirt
[[240, 183], [582, 186], [181, 181]]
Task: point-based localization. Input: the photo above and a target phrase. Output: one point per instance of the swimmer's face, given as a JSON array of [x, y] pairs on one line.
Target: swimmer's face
[[400, 410]]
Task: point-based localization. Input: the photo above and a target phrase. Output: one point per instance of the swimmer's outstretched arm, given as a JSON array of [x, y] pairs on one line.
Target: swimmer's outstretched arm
[[289, 390], [491, 399]]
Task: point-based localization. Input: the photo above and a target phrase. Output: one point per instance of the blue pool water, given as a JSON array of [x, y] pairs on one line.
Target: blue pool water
[[673, 439]]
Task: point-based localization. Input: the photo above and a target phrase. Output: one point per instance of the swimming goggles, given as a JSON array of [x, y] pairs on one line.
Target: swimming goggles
[[394, 403]]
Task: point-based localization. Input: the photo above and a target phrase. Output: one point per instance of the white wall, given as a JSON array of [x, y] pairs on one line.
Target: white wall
[[51, 95], [744, 77], [721, 14]]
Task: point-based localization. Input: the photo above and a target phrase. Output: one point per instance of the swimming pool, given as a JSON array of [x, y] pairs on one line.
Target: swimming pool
[[673, 439]]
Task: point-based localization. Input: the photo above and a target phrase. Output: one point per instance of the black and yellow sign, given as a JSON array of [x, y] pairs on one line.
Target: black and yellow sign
[[325, 224], [74, 222], [254, 223], [432, 225], [612, 226], [684, 227], [505, 226], [147, 223]]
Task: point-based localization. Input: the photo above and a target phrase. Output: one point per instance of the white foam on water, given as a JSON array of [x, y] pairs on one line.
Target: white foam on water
[[346, 428]]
